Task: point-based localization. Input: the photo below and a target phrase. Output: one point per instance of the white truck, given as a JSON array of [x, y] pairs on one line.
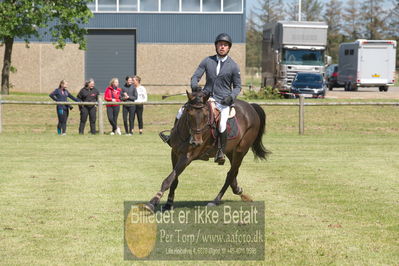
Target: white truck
[[367, 63], [290, 47]]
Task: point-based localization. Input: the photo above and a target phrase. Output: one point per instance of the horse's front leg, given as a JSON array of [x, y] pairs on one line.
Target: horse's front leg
[[181, 164], [169, 204], [171, 197]]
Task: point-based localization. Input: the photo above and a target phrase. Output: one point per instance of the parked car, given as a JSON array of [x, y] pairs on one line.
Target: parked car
[[309, 84], [332, 77]]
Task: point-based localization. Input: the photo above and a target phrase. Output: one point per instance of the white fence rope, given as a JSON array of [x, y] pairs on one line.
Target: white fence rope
[[301, 104]]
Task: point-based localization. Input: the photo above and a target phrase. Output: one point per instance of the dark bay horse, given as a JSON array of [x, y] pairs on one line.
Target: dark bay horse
[[191, 139]]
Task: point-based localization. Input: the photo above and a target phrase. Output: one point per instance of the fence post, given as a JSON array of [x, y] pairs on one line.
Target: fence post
[[1, 115], [100, 115], [301, 114]]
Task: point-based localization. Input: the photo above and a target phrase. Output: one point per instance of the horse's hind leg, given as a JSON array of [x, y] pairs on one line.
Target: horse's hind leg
[[234, 186], [238, 190], [243, 147], [235, 161]]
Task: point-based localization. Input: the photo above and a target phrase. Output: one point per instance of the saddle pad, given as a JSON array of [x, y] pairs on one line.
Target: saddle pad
[[232, 129]]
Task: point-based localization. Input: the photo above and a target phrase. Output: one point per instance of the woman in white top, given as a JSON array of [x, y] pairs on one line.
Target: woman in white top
[[141, 98]]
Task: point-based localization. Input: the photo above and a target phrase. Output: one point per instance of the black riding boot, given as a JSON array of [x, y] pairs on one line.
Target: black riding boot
[[222, 139], [166, 138]]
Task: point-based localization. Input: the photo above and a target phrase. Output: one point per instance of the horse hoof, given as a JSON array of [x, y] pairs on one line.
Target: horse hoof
[[220, 161], [149, 206], [212, 204], [246, 198], [166, 207]]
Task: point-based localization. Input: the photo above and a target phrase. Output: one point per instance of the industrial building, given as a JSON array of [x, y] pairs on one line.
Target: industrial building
[[162, 41]]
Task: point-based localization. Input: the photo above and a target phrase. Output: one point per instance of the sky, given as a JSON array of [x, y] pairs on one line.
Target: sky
[[250, 4]]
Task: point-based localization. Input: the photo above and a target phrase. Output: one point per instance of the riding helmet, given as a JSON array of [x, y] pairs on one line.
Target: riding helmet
[[224, 37]]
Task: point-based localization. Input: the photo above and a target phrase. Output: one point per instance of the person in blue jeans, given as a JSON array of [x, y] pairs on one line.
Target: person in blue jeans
[[61, 94]]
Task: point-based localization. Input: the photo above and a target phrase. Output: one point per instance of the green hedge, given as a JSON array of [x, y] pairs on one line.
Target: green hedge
[[263, 93]]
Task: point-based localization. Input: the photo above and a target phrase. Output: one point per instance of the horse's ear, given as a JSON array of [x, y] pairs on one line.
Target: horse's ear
[[189, 95]]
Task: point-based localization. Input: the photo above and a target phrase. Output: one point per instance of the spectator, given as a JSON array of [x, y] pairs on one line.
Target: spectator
[[61, 94], [88, 94], [112, 94], [141, 98], [129, 93]]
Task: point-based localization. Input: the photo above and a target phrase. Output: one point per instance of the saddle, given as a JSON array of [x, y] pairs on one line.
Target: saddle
[[232, 125]]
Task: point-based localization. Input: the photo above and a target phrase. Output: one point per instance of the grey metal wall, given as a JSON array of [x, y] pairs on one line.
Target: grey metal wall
[[168, 28], [174, 28], [110, 53]]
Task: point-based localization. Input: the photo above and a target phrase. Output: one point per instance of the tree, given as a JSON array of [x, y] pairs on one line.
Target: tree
[[270, 11], [311, 10], [23, 19], [372, 16], [291, 10], [267, 11], [280, 10], [254, 42], [332, 17], [392, 21], [351, 17]]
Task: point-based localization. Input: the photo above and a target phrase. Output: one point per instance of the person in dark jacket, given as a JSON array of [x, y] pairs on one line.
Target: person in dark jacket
[[223, 84], [61, 94], [112, 94], [128, 94], [88, 94]]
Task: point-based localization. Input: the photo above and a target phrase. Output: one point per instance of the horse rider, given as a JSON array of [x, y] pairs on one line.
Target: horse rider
[[223, 84]]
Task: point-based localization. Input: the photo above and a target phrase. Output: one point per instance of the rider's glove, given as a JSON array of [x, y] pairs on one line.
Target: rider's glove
[[227, 101], [197, 89]]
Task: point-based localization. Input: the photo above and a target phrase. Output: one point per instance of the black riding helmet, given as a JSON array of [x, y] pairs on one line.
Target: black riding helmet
[[224, 37]]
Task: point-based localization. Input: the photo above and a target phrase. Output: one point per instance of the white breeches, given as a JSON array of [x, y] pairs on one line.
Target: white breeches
[[224, 115]]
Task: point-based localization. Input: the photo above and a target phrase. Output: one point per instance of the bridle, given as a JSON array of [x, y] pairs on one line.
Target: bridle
[[208, 123]]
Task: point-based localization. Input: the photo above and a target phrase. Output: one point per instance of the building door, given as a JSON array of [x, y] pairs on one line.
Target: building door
[[110, 53]]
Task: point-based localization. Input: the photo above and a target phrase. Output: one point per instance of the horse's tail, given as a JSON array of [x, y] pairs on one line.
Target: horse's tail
[[258, 149]]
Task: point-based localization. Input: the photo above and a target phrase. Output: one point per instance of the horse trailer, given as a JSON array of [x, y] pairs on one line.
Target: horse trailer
[[290, 47], [367, 63]]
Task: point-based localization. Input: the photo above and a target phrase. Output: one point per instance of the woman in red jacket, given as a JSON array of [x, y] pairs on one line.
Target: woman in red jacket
[[112, 94]]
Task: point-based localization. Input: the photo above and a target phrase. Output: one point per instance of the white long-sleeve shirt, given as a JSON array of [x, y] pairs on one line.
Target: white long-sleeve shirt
[[141, 94]]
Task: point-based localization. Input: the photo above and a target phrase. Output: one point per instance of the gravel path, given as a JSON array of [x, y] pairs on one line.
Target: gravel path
[[363, 93]]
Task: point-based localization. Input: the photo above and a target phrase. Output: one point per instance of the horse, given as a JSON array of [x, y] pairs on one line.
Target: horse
[[191, 139]]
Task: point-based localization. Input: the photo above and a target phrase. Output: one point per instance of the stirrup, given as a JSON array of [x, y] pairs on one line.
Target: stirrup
[[164, 138]]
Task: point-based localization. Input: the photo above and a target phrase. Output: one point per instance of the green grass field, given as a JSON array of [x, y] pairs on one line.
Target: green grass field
[[331, 196]]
